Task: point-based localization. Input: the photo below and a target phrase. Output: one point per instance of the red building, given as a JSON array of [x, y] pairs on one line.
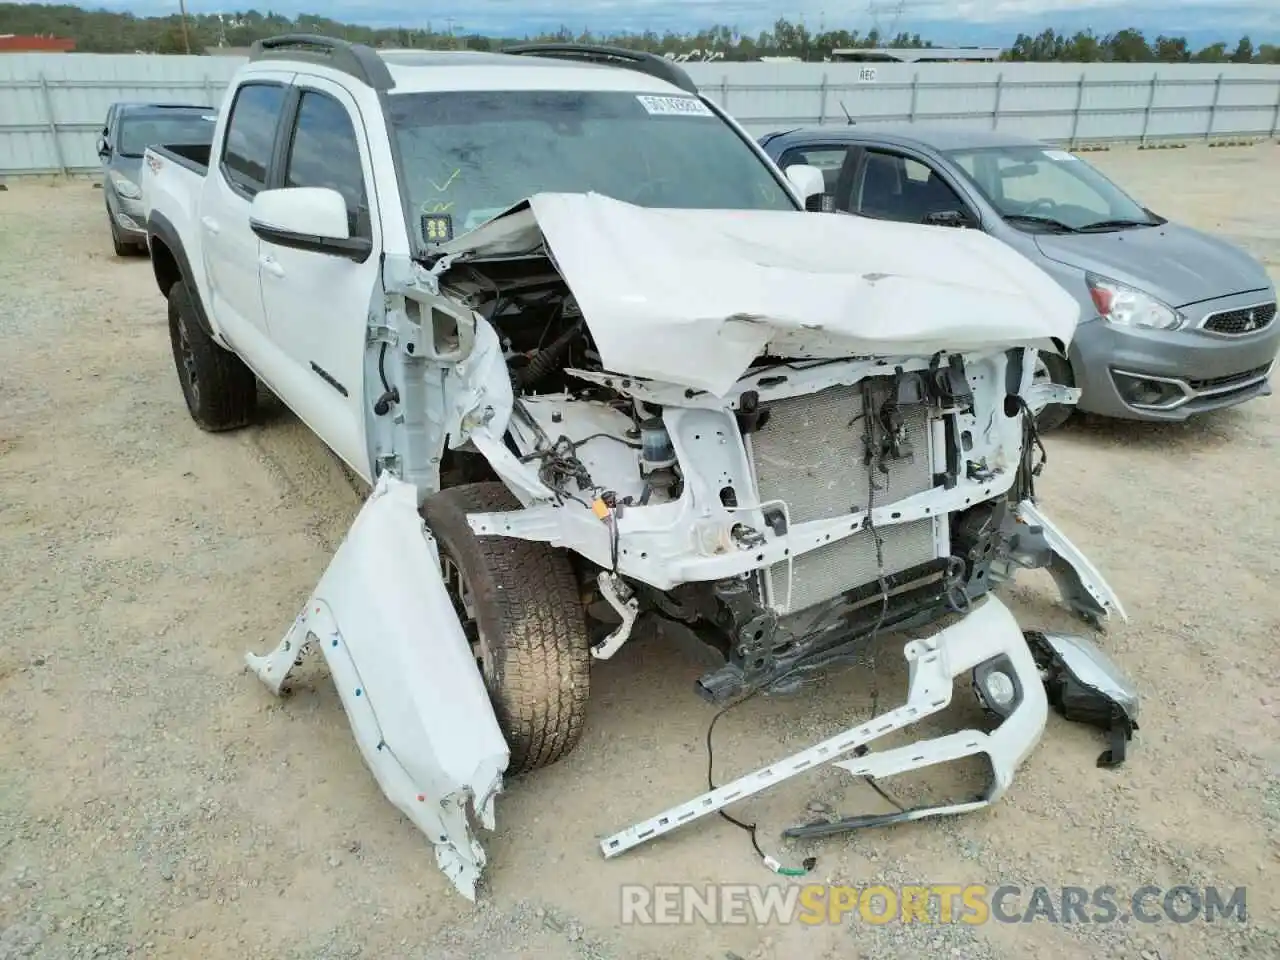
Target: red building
[[11, 43]]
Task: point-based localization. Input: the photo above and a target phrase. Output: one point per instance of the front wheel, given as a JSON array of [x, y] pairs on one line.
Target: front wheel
[[1052, 368], [121, 248], [520, 607]]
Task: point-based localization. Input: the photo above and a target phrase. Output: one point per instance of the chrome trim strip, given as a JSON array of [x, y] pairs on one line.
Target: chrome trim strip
[[1189, 393]]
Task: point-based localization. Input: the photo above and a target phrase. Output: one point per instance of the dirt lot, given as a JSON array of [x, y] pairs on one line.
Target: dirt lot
[[156, 801]]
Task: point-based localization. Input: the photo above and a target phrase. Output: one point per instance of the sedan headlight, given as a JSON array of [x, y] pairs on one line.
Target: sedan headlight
[[126, 187], [1127, 306]]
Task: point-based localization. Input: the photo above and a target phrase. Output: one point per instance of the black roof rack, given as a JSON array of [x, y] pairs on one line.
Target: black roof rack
[[639, 60], [360, 61], [145, 105]]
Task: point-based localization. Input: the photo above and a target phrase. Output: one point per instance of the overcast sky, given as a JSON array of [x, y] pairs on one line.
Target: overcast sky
[[939, 20]]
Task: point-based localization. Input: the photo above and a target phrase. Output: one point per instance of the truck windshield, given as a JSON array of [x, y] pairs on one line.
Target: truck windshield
[[140, 131], [470, 155]]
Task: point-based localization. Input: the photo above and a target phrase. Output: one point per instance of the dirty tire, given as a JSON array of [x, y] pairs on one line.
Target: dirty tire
[[528, 609], [121, 248], [221, 392], [1055, 415]]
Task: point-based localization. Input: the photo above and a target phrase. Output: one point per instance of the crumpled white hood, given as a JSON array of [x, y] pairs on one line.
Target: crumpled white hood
[[693, 296]]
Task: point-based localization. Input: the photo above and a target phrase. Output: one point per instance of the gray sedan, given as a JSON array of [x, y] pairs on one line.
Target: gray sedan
[[1174, 322], [129, 129]]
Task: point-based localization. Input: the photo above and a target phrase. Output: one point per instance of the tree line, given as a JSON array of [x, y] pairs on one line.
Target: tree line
[[1132, 46], [104, 31]]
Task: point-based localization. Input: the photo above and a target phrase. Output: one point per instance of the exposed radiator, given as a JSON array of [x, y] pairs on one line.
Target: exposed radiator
[[809, 453]]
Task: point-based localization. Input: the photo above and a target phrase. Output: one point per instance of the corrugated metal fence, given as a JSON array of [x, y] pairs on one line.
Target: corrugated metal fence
[[52, 105]]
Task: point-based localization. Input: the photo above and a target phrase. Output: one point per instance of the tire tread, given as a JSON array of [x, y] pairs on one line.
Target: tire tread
[[529, 607], [228, 393]]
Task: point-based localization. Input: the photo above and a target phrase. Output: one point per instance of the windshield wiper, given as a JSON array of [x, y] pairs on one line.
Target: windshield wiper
[[1041, 221], [1120, 224]]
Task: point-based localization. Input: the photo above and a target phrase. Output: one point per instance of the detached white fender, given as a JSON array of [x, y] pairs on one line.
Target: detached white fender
[[407, 677]]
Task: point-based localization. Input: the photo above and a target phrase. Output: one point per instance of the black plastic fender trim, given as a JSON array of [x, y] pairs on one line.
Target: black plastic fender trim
[[159, 228]]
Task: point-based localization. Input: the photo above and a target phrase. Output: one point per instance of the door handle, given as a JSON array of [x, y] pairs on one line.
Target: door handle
[[271, 266], [211, 225]]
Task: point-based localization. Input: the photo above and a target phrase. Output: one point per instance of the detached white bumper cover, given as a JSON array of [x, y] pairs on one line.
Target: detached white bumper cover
[[721, 284], [406, 675], [987, 634]]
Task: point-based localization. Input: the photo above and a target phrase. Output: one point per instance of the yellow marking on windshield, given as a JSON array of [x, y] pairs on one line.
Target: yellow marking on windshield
[[452, 177]]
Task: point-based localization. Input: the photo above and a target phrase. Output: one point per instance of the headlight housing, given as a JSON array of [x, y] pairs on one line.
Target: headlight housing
[[126, 187], [1127, 306]]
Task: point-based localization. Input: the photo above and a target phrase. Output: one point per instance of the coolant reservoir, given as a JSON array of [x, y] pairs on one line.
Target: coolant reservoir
[[656, 450]]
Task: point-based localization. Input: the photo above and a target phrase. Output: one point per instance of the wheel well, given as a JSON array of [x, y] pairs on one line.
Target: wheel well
[[463, 467], [164, 265]]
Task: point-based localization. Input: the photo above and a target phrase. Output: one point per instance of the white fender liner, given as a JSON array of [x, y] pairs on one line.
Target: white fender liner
[[406, 675]]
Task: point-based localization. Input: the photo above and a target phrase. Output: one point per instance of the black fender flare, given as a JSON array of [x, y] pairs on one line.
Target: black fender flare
[[159, 228]]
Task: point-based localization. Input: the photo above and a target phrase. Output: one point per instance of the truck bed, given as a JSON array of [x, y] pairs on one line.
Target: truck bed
[[194, 157]]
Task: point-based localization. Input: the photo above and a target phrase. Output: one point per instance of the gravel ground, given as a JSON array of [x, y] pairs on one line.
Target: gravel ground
[[156, 801]]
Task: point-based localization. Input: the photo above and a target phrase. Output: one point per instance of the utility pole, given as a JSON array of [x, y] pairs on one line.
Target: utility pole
[[186, 39]]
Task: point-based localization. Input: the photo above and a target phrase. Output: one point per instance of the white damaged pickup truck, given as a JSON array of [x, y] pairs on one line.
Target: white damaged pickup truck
[[598, 364]]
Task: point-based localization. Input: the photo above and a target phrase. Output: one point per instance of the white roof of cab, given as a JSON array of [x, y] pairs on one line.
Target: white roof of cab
[[421, 71]]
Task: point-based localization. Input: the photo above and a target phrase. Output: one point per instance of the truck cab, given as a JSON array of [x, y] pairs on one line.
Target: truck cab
[[377, 131]]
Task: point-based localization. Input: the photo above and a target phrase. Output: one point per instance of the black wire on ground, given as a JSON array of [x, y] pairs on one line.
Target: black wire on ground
[[808, 863]]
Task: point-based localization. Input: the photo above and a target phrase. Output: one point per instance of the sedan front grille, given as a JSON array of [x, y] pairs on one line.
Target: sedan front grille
[[1245, 320], [1247, 377], [809, 454]]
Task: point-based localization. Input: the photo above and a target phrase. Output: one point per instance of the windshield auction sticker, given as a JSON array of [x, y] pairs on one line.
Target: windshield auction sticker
[[673, 106]]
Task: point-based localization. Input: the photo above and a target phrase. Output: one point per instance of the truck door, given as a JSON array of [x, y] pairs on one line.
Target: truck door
[[239, 171], [317, 304]]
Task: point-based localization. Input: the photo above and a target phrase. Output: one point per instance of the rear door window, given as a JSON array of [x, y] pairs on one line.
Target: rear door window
[[251, 135]]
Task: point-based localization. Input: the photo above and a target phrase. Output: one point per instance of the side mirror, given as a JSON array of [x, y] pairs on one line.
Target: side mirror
[[949, 218], [808, 182], [104, 150], [307, 218]]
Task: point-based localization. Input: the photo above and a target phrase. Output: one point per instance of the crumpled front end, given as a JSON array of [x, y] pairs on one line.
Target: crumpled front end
[[814, 504], [754, 422]]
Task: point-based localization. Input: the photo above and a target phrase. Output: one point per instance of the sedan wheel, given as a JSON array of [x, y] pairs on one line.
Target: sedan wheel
[[1051, 368]]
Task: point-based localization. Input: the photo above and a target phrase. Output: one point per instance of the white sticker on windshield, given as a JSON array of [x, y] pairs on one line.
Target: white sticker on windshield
[[1059, 155], [674, 106]]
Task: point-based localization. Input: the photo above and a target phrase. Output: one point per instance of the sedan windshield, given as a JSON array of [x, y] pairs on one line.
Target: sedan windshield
[[1040, 188], [467, 156], [143, 130]]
